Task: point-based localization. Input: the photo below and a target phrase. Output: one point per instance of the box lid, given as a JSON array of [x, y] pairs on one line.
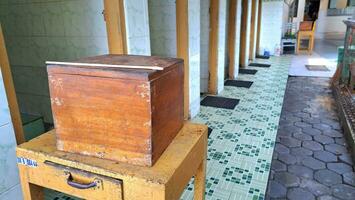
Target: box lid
[[116, 66]]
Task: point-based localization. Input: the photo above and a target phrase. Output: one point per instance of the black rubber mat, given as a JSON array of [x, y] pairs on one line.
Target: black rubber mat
[[219, 102], [235, 83], [248, 71], [262, 57], [209, 131], [259, 65]]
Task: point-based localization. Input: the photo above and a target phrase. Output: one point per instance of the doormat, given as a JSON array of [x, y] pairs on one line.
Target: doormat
[[235, 83], [262, 57], [247, 71], [259, 65], [220, 102], [209, 131], [317, 68]]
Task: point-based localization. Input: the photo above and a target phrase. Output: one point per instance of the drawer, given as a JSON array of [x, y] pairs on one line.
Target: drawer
[[75, 182]]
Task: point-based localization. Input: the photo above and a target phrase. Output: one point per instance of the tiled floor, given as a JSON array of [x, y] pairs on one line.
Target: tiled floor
[[311, 159], [241, 144]]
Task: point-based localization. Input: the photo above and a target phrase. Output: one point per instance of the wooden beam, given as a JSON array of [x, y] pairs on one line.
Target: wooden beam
[[243, 34], [258, 32], [115, 26], [182, 44], [10, 91], [253, 29], [231, 37], [213, 48]]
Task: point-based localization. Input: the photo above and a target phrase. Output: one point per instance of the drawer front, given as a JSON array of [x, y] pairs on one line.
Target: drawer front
[[75, 182]]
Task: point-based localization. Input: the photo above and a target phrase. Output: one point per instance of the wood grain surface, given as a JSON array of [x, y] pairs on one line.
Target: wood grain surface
[[123, 115]]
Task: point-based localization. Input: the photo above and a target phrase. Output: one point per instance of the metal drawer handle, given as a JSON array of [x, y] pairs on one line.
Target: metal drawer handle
[[71, 182]]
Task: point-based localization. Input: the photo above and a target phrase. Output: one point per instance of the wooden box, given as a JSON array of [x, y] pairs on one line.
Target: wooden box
[[122, 108]]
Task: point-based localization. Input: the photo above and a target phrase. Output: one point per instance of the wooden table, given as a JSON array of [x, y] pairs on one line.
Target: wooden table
[[42, 165]]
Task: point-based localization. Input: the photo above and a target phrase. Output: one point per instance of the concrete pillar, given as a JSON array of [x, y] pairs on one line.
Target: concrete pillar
[[253, 29], [245, 33], [235, 10]]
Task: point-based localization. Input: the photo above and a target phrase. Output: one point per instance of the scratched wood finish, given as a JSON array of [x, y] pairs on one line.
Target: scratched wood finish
[[123, 114]]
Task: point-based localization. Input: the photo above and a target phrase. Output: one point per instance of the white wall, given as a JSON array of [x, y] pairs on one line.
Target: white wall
[[222, 24], [285, 15], [204, 44], [137, 27], [194, 56], [9, 179], [271, 25], [329, 26], [162, 24]]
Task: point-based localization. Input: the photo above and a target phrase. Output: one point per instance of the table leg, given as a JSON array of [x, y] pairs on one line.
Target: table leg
[[200, 177], [311, 41], [29, 190], [298, 43]]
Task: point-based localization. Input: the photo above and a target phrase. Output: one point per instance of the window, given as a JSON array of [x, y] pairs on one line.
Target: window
[[340, 4]]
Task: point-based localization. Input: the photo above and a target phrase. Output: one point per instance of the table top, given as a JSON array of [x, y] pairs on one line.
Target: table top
[[189, 145]]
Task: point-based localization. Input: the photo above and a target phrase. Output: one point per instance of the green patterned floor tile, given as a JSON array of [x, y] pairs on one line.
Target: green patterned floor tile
[[241, 145]]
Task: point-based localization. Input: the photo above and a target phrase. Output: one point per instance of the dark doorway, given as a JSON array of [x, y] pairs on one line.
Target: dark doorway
[[311, 10]]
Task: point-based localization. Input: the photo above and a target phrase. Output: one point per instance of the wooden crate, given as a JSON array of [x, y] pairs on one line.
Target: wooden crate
[[126, 108]]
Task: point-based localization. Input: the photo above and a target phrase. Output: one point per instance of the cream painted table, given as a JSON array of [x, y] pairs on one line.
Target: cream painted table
[[42, 165]]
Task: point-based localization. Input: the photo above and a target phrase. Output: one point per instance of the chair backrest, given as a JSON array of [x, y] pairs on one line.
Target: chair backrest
[[307, 26]]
